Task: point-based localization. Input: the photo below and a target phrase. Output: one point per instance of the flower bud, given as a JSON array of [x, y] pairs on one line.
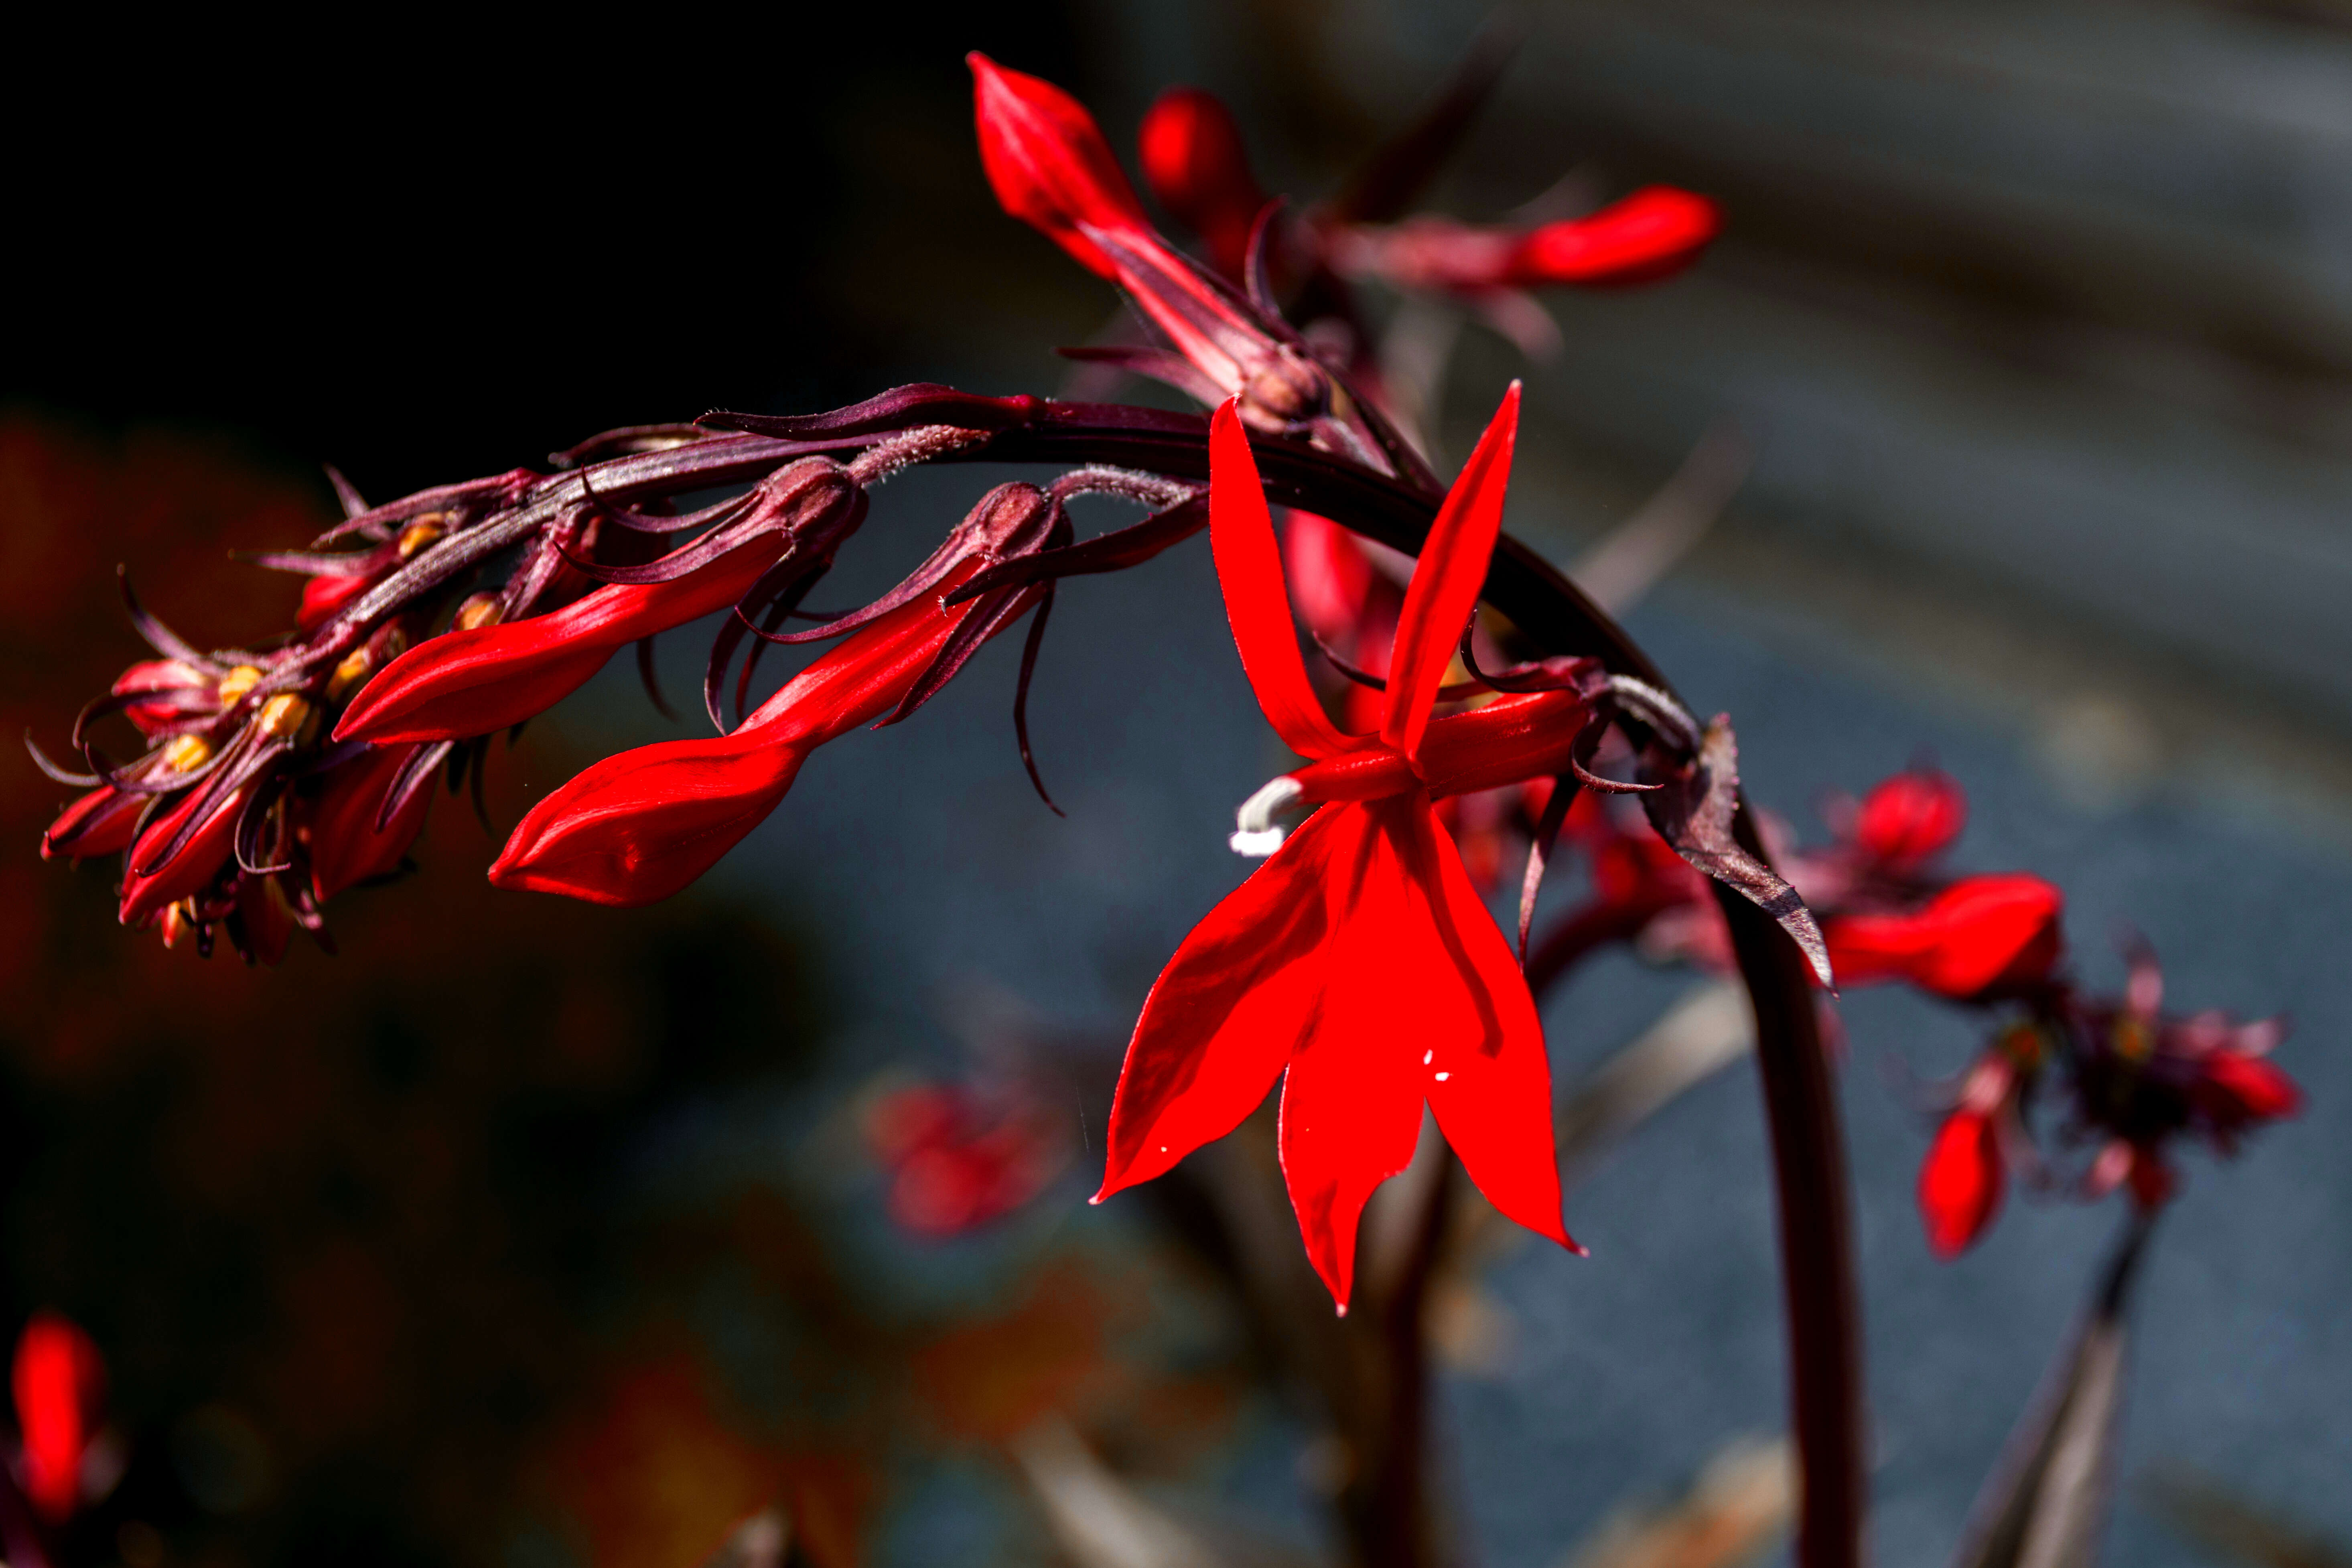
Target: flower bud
[[177, 922], [1960, 1184], [1911, 817], [1194, 162], [1047, 162]]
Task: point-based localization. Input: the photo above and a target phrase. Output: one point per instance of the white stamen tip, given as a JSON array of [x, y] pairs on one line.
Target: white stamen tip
[[1443, 1075], [1256, 834]]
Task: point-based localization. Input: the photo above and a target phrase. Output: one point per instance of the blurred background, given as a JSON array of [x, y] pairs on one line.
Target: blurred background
[[535, 1235]]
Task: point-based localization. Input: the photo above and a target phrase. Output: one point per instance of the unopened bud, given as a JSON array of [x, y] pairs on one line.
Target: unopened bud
[[187, 753], [282, 717], [422, 532], [479, 610], [237, 682], [1286, 388], [351, 674], [178, 920]]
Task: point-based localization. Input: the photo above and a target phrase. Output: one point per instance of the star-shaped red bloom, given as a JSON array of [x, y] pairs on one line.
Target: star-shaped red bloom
[[1359, 965]]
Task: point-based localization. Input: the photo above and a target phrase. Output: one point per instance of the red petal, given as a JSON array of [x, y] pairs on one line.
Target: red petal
[[1960, 1184], [1912, 816], [1249, 571], [1411, 1003], [1446, 582], [1048, 162], [268, 921], [345, 847], [100, 823], [466, 683], [58, 1379], [1649, 234], [1977, 931], [639, 827], [1195, 162], [2255, 1088], [1226, 1012], [1490, 1079], [206, 850]]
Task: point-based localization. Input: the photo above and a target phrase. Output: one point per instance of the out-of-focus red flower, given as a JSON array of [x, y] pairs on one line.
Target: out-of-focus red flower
[[59, 1382], [1048, 163], [328, 593], [1979, 932], [1051, 168], [1911, 817], [1960, 1184], [1357, 965], [1196, 164], [956, 1161], [1648, 235], [2235, 1088]]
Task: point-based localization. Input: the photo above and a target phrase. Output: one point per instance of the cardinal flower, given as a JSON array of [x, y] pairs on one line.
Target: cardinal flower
[[59, 1383], [1195, 162], [1358, 964]]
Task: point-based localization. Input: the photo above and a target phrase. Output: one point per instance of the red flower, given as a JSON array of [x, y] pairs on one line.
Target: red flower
[[1195, 164], [2233, 1089], [1051, 168], [329, 591], [641, 825], [1649, 234], [1358, 964], [1960, 1184], [59, 1383], [1910, 817], [1977, 932], [1654, 231], [1049, 164], [956, 1164]]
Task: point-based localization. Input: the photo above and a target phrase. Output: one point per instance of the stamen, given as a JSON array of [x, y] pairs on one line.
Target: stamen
[[283, 716], [351, 674], [425, 531], [187, 753], [1256, 834], [237, 682], [479, 610]]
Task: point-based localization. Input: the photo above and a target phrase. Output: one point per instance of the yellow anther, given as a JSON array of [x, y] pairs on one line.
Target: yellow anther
[[237, 682], [282, 716], [480, 610], [420, 533], [179, 920], [187, 753], [349, 675]]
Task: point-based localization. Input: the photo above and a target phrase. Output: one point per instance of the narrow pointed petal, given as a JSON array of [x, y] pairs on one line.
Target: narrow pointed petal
[[102, 821], [1489, 1076], [466, 683], [1249, 573], [1960, 1182], [1195, 162], [1047, 161], [1654, 232], [1229, 1009], [1352, 1099], [1446, 582]]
